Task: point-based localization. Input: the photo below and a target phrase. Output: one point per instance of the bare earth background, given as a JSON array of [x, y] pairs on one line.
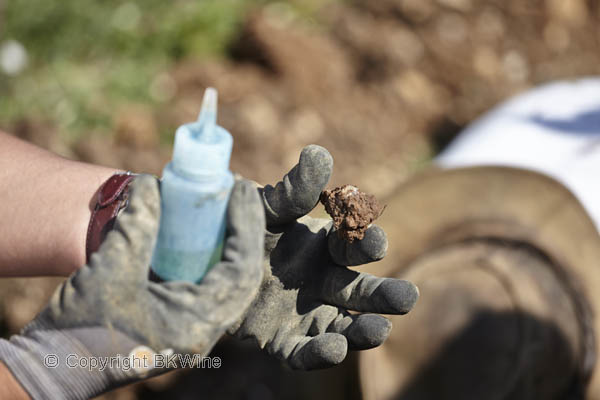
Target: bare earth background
[[383, 84]]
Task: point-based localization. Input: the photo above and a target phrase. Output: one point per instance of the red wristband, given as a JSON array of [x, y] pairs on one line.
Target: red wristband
[[112, 197]]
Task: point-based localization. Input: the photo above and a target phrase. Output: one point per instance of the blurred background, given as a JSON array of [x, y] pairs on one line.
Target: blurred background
[[383, 84]]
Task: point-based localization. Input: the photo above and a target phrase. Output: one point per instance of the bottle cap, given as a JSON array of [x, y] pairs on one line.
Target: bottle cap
[[203, 148]]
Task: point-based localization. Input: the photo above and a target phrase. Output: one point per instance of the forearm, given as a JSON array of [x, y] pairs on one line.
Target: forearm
[[9, 387], [45, 207]]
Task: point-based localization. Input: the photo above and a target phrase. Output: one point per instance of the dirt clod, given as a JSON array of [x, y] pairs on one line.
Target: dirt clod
[[352, 211]]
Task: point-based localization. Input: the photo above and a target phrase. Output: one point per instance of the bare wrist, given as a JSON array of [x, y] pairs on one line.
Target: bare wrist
[[10, 388]]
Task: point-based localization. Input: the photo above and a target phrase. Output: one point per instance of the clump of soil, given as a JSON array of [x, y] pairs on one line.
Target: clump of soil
[[352, 211]]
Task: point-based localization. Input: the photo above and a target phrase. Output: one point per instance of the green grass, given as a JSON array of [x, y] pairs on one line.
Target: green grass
[[89, 57]]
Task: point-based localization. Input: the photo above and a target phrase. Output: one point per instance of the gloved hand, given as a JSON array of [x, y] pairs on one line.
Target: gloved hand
[[109, 307], [301, 312]]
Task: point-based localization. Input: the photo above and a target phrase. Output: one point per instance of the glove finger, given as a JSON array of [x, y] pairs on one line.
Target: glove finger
[[128, 247], [299, 190], [363, 331], [245, 227], [320, 319], [372, 247], [322, 351], [367, 293]]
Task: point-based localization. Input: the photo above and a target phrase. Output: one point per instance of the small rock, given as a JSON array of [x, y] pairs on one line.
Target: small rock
[[352, 211], [574, 12], [515, 67], [486, 62]]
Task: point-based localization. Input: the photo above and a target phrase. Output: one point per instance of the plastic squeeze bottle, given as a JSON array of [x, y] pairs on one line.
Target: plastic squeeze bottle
[[195, 190]]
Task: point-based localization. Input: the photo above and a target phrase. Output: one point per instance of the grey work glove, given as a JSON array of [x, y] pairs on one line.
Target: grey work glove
[[301, 312], [109, 307]]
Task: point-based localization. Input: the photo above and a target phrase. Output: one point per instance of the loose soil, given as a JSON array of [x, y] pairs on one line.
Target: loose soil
[[352, 211]]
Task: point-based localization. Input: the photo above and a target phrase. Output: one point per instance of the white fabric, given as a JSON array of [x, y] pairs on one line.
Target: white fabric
[[553, 129]]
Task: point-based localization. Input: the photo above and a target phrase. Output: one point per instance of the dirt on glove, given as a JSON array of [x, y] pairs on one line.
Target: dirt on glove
[[352, 211]]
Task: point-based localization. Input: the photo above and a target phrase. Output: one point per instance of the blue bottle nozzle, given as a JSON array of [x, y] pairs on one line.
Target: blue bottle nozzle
[[203, 148], [208, 111]]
